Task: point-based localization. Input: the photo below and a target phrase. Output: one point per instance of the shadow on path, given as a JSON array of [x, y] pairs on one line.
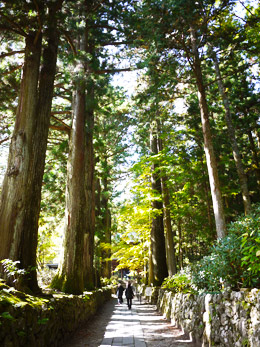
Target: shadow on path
[[115, 325], [159, 332]]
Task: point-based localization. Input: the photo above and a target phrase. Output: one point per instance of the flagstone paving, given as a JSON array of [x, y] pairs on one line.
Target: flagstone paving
[[115, 326]]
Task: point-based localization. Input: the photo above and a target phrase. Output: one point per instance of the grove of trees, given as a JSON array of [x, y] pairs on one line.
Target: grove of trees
[[73, 137]]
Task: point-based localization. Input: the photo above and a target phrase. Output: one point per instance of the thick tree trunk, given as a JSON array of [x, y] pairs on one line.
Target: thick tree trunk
[[15, 219], [232, 137], [157, 230], [208, 145], [170, 246], [70, 278], [21, 195]]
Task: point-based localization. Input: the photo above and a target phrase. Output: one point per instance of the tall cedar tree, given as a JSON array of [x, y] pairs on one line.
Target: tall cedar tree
[[21, 194]]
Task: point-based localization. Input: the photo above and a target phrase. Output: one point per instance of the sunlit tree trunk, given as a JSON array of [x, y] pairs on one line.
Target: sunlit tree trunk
[[232, 137], [208, 145], [17, 232], [21, 194], [70, 277], [158, 251]]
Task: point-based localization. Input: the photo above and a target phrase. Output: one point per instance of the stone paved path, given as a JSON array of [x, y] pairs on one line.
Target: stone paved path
[[115, 325]]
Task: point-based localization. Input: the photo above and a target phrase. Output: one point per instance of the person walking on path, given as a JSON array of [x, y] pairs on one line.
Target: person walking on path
[[119, 293], [129, 293]]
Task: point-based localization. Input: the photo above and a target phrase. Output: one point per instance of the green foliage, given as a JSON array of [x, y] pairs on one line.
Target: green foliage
[[248, 230], [222, 268], [113, 280], [43, 321], [234, 260], [7, 315], [12, 270], [181, 282]]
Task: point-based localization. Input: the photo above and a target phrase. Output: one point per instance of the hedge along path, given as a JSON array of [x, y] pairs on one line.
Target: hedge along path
[[115, 325]]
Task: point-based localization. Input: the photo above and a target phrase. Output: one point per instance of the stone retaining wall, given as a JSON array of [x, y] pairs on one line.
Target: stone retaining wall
[[226, 319], [30, 321]]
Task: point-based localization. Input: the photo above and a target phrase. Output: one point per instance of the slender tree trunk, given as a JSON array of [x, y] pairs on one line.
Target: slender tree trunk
[[255, 156], [232, 137], [21, 194], [170, 246], [180, 244], [208, 145], [106, 225], [209, 210], [157, 229]]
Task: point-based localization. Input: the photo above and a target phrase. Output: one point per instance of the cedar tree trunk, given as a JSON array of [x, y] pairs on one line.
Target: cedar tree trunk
[[90, 194], [170, 246], [208, 145], [21, 194], [232, 137], [158, 251]]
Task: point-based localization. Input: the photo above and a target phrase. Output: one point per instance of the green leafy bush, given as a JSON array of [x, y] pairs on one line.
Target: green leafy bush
[[222, 268], [248, 230], [235, 259], [181, 282], [113, 280]]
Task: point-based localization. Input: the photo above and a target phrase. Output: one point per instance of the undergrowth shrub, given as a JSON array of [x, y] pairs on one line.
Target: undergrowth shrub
[[222, 268], [181, 282], [247, 228], [234, 261]]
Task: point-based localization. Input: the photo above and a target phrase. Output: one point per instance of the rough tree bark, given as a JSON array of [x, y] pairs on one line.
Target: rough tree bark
[[170, 246], [90, 194], [70, 277], [158, 252], [208, 145], [21, 194], [232, 138]]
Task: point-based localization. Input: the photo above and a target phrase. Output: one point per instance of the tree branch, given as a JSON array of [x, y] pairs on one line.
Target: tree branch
[[39, 22], [68, 38], [20, 30], [4, 140], [64, 126], [110, 27], [60, 128], [3, 55], [101, 72], [116, 43], [11, 71]]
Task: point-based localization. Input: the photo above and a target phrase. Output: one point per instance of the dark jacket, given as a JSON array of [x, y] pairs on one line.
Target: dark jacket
[[129, 292], [120, 291]]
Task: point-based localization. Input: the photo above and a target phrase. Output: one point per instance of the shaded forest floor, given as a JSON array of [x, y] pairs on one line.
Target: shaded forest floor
[[115, 325]]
